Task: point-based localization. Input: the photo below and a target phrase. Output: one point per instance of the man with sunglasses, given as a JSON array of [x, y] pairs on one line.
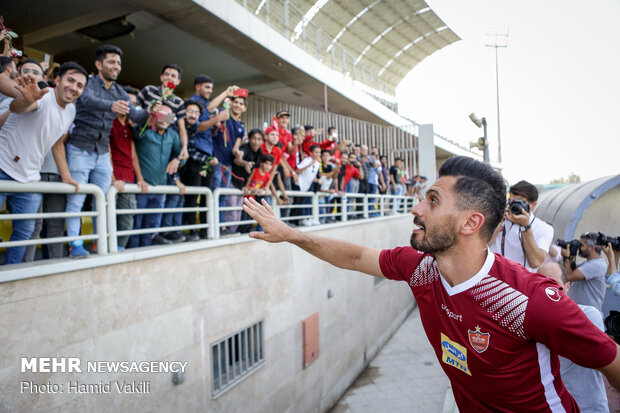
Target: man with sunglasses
[[29, 68]]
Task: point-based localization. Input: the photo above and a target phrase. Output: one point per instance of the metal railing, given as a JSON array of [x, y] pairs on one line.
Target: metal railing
[[319, 208], [113, 211], [99, 214]]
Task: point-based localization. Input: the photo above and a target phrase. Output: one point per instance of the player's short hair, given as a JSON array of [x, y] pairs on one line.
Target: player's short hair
[[478, 187]]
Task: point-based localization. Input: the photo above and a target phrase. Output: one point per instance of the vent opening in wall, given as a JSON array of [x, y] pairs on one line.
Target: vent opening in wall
[[236, 356]]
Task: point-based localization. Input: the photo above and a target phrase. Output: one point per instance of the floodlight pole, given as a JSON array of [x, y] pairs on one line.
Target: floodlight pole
[[496, 45]]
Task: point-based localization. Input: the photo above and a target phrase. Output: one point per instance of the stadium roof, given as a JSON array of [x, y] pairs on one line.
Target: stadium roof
[[388, 37]]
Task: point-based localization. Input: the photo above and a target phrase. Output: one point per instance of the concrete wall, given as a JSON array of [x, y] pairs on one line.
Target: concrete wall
[[174, 307]]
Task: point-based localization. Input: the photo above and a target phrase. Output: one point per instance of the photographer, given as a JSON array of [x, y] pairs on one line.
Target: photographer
[[523, 238], [612, 266], [588, 287]]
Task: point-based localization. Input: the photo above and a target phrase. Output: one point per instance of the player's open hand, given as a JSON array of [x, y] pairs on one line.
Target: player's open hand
[[274, 229]]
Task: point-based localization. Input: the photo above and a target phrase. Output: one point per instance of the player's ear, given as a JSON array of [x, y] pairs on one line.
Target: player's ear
[[473, 223]]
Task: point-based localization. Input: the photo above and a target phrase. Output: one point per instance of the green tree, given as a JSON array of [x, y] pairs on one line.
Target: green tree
[[570, 179]]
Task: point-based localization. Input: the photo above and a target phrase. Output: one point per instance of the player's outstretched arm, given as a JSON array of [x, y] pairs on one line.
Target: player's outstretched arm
[[340, 253], [612, 371]]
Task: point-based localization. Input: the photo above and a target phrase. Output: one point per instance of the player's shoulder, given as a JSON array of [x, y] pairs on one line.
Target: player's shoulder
[[518, 277]]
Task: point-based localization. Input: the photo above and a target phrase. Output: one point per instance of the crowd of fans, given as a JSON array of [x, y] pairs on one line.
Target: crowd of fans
[[60, 124]]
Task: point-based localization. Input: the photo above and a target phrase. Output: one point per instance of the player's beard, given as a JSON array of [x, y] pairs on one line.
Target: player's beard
[[437, 239]]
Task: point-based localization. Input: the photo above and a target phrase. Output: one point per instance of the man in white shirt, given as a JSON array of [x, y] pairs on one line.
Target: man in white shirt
[[522, 237], [307, 171], [38, 120]]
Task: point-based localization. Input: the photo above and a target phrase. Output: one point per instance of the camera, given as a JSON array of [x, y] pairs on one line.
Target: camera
[[612, 325], [573, 246], [518, 204], [603, 239]]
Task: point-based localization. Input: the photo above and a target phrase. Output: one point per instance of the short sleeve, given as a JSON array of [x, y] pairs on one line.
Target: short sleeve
[[180, 111], [592, 269], [399, 263], [544, 236], [553, 319]]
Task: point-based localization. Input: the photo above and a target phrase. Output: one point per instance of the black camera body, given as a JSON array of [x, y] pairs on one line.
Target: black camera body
[[573, 246], [603, 239], [517, 204], [612, 325]]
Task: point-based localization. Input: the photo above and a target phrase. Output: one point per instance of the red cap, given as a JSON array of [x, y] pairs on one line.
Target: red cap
[[241, 93], [270, 129]]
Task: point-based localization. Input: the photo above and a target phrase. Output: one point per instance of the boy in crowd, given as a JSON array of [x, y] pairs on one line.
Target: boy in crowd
[[258, 186], [39, 119], [155, 148], [248, 155], [307, 171], [259, 183]]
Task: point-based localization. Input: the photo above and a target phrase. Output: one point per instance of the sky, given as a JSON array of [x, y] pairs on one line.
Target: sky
[[559, 85]]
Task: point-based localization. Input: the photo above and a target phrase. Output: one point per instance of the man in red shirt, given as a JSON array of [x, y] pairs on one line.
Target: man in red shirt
[[496, 328], [125, 169], [350, 172]]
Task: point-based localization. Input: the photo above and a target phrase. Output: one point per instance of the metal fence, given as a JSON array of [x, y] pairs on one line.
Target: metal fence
[[308, 209], [98, 214]]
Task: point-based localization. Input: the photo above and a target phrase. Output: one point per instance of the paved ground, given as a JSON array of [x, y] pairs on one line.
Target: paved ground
[[404, 377]]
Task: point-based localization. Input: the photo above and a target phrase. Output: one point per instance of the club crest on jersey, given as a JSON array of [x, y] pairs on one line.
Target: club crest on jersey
[[552, 293], [479, 340], [454, 354]]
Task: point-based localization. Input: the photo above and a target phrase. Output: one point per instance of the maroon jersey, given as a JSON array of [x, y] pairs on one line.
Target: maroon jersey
[[498, 334]]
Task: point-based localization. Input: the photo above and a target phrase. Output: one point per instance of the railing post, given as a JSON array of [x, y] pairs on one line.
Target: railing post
[[344, 208], [274, 204], [102, 241], [111, 211], [365, 206], [216, 214], [211, 229], [315, 207]]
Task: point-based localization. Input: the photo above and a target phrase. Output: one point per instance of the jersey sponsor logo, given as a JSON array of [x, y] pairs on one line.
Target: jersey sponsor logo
[[479, 340], [451, 314], [552, 293], [454, 354]]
